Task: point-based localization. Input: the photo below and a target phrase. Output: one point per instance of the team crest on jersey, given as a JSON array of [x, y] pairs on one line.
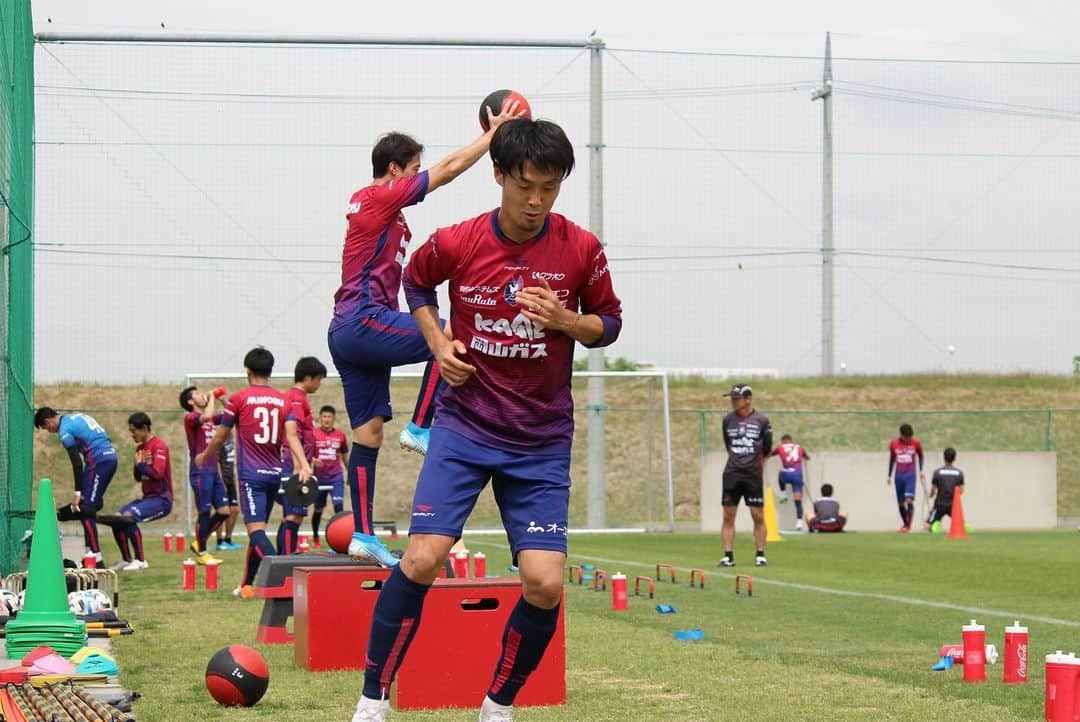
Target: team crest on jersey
[[513, 287]]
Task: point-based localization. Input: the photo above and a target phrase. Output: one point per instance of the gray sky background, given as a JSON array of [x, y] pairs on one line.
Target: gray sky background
[[955, 195]]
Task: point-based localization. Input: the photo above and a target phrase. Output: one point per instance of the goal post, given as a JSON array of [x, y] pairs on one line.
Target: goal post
[[639, 489]]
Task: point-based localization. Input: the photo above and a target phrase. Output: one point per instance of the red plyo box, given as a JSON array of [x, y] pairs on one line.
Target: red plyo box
[[452, 659], [332, 609]]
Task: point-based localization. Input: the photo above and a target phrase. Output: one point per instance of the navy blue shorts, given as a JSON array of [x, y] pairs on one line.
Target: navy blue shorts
[[905, 486], [364, 350], [149, 508], [209, 490], [257, 499], [336, 493], [531, 489], [792, 478], [95, 480]]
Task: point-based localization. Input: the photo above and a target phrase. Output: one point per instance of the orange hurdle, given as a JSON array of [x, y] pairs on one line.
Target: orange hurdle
[[669, 567], [749, 584], [570, 573], [700, 574], [599, 580], [637, 586]]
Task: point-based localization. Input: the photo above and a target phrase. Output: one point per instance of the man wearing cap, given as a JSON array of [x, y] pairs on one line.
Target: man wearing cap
[[748, 439]]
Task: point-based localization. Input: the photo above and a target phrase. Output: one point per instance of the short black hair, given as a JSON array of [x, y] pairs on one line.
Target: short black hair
[[826, 489], [185, 397], [950, 455], [309, 366], [393, 147], [259, 361], [45, 412], [540, 142], [328, 409], [140, 420], [906, 430], [786, 437]]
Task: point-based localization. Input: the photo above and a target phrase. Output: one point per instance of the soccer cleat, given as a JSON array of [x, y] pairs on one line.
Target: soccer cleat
[[492, 711], [726, 562], [227, 546], [136, 565], [244, 592], [904, 530], [206, 558], [799, 526], [367, 547], [118, 566], [371, 710], [783, 497], [415, 438], [761, 562]]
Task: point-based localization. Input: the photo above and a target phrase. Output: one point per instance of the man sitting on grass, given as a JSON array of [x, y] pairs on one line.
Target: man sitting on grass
[[827, 515]]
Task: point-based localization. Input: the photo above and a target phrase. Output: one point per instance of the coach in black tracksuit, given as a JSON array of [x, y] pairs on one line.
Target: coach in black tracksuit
[[748, 439]]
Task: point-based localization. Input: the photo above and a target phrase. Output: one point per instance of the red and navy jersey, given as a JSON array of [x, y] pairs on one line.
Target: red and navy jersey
[[300, 409], [199, 434], [329, 446], [258, 414], [376, 239], [791, 456], [155, 476], [519, 397], [904, 455]]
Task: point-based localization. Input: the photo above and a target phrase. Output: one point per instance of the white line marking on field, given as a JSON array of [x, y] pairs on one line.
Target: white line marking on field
[[914, 601]]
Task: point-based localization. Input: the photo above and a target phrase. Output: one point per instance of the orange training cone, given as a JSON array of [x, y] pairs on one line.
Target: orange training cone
[[957, 527]]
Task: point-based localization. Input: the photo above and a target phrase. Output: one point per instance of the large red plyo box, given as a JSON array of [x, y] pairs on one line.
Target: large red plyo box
[[332, 609], [452, 659]]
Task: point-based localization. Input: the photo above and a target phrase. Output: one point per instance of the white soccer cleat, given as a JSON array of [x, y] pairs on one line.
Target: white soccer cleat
[[726, 562], [415, 438], [118, 566], [799, 526], [371, 710], [492, 711], [136, 565], [761, 562], [368, 548]]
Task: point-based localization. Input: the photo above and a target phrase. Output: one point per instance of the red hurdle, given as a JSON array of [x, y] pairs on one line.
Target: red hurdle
[[570, 573], [749, 584], [699, 574], [599, 580], [669, 567], [637, 586]]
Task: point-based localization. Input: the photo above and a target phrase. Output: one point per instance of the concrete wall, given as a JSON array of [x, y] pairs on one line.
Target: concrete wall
[[1005, 490]]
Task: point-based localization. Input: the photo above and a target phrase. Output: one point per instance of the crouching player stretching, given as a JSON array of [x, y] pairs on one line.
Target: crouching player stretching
[[518, 277]]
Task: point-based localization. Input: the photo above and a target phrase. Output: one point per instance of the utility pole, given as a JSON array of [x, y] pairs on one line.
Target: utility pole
[[824, 94], [596, 498]]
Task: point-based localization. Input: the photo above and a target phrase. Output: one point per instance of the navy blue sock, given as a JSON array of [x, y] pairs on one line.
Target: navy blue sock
[[120, 535], [424, 413], [798, 508], [524, 641], [316, 522], [259, 546], [362, 486], [393, 626], [903, 512], [202, 529], [287, 536]]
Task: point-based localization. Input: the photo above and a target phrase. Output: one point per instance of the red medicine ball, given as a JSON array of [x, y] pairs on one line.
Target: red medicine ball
[[497, 100], [339, 531], [237, 676]]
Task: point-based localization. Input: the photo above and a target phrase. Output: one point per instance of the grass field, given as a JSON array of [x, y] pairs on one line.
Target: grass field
[[840, 627]]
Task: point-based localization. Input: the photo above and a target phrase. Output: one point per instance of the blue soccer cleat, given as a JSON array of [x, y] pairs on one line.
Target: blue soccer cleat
[[415, 438], [367, 547]]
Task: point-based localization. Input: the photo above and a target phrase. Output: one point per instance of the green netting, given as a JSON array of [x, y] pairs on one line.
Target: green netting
[[16, 276]]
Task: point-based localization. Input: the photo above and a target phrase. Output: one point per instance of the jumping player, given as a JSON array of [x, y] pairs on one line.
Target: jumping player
[[153, 471], [517, 276], [946, 482], [748, 439], [368, 335], [258, 413], [903, 453], [308, 375], [330, 449], [93, 464], [792, 456], [207, 486]]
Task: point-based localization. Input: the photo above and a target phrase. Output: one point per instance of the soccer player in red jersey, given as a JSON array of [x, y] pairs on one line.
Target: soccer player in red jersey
[[308, 376], [525, 286], [330, 449], [258, 413], [153, 471], [207, 486], [368, 335], [792, 456], [904, 453]]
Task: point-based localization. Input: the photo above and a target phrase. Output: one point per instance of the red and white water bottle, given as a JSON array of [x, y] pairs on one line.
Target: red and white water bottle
[[618, 592], [1016, 654], [211, 576], [956, 651], [480, 565], [89, 560], [219, 392], [1062, 688], [167, 539], [461, 564], [303, 547], [180, 542], [189, 575], [974, 652]]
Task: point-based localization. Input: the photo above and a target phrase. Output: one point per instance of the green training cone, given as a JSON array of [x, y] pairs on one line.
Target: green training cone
[[45, 617]]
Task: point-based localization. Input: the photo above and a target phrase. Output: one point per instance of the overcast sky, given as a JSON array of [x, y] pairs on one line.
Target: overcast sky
[[975, 164]]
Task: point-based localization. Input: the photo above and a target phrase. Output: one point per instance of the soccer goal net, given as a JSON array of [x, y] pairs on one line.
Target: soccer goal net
[[631, 484]]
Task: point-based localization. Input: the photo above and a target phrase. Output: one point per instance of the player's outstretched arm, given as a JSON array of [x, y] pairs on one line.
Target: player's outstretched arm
[[462, 159]]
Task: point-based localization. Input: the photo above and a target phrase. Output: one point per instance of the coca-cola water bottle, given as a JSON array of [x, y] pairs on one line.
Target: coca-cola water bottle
[[1016, 654], [974, 652]]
